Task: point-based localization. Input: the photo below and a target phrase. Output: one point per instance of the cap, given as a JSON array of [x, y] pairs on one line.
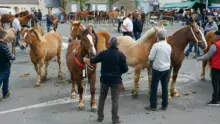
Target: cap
[[217, 32]]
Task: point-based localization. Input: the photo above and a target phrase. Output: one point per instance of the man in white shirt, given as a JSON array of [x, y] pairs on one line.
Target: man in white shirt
[[160, 58], [127, 26], [17, 26]]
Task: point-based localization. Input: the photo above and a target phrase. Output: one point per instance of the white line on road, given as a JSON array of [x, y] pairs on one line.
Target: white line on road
[[67, 100]]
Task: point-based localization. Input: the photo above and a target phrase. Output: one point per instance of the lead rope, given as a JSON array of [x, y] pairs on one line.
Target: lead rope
[[86, 73], [197, 42]]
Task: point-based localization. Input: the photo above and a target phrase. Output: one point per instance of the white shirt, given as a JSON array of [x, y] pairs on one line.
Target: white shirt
[[128, 24], [16, 25], [160, 55]]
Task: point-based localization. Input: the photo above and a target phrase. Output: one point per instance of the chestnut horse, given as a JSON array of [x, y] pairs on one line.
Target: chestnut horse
[[25, 19], [76, 51], [210, 38], [38, 27], [42, 50], [137, 53], [10, 38], [178, 41]]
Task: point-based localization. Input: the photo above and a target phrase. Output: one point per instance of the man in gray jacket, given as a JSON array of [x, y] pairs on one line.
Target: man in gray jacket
[[211, 25]]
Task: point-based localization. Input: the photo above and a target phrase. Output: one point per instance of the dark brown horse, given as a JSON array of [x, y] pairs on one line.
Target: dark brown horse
[[178, 42], [169, 15], [76, 51], [210, 38]]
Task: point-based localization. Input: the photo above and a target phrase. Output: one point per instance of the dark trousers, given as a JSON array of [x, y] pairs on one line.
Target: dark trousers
[[119, 25], [156, 77], [115, 91], [137, 36], [4, 78], [127, 34], [191, 45], [215, 84], [17, 38]]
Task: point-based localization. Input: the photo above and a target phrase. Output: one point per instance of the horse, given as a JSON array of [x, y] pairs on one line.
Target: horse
[[75, 34], [42, 50], [38, 27], [76, 51], [178, 42], [169, 15], [56, 21], [10, 38], [25, 19], [210, 38], [137, 53], [7, 18]]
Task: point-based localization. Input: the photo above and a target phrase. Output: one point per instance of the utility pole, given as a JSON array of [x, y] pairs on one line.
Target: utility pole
[[207, 2]]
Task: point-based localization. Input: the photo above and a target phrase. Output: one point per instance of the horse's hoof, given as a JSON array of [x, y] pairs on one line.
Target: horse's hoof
[[73, 96], [36, 85], [81, 108], [175, 94]]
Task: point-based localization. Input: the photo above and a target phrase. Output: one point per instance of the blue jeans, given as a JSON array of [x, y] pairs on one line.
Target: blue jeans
[[137, 36], [190, 49], [4, 78], [161, 76]]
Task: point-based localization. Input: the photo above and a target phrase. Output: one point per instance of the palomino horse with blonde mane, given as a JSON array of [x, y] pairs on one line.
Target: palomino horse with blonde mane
[[210, 38], [42, 50], [77, 50], [137, 53], [10, 38], [178, 41]]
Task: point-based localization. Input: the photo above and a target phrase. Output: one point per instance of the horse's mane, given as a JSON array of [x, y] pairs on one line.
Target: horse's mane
[[39, 35], [145, 37]]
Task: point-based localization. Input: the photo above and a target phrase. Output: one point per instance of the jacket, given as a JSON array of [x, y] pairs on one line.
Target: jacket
[[49, 20], [5, 57], [211, 26], [113, 65], [215, 60], [39, 16], [137, 26]]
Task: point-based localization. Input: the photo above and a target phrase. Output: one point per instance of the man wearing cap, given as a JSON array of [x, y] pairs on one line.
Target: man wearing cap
[[213, 55], [160, 60], [113, 65]]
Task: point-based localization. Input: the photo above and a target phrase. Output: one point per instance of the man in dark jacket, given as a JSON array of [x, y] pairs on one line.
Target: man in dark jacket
[[39, 17], [49, 20], [113, 66], [5, 65], [137, 27]]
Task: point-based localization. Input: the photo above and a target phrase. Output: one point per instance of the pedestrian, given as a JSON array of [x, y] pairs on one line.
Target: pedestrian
[[192, 19], [5, 65], [127, 26], [49, 20], [213, 55], [113, 66], [211, 25], [39, 17], [120, 21], [17, 27], [137, 27], [160, 60]]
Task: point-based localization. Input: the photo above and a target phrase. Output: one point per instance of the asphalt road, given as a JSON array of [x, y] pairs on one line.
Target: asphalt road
[[51, 103]]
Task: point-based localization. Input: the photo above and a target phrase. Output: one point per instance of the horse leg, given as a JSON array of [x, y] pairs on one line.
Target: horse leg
[[81, 105], [204, 63], [173, 90], [39, 70], [44, 77], [73, 91], [92, 82], [136, 80], [59, 64]]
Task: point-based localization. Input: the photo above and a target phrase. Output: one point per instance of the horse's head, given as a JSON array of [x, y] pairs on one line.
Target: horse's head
[[75, 30], [29, 36], [88, 42], [197, 37]]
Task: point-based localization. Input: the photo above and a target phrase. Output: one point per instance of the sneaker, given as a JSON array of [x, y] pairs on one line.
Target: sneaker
[[212, 103], [100, 120], [7, 95], [151, 109], [164, 108], [118, 122]]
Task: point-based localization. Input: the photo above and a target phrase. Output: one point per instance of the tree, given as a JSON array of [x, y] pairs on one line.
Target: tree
[[137, 2], [81, 3], [111, 2]]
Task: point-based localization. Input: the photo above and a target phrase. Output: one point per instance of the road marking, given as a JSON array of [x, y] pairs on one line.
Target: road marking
[[67, 100]]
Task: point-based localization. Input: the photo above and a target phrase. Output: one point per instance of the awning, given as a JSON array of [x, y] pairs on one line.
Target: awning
[[214, 6], [178, 5]]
